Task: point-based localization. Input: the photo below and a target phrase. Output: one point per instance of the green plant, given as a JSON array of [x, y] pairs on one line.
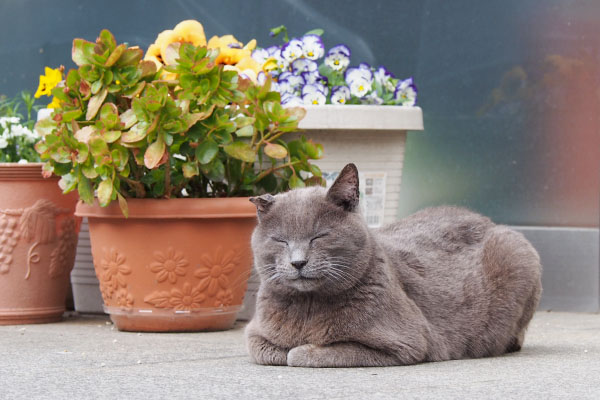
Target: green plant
[[122, 132], [17, 138]]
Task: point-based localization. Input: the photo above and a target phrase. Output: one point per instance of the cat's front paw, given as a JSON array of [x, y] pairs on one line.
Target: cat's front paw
[[303, 356]]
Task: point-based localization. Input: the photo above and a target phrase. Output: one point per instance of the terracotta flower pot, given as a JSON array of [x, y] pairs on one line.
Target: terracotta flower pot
[[173, 265], [38, 236]]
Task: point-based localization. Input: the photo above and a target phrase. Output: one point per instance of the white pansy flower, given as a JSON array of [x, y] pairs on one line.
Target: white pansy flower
[[313, 48]]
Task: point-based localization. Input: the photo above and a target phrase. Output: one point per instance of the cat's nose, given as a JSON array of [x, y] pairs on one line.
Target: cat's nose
[[298, 264]]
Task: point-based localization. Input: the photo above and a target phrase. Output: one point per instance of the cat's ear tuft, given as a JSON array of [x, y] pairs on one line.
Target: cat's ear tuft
[[344, 191], [263, 203]]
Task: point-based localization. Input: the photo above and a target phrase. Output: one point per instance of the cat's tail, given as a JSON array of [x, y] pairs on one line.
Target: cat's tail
[[513, 271]]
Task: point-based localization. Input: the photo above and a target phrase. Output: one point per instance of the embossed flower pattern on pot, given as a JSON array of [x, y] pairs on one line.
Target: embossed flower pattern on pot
[[185, 299], [215, 269], [169, 265], [124, 299], [224, 298], [114, 269]]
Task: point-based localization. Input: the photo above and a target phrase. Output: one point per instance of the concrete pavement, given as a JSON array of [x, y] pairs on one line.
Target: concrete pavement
[[85, 357]]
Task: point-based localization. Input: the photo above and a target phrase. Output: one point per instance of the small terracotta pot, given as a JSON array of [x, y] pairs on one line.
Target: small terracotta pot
[[38, 237], [173, 265]]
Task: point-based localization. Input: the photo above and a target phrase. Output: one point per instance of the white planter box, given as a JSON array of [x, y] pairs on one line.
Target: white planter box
[[373, 138]]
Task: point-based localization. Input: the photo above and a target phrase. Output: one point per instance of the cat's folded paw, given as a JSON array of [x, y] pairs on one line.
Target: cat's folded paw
[[303, 356]]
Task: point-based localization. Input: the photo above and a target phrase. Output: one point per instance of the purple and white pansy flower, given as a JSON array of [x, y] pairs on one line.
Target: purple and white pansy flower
[[340, 94], [338, 58], [313, 95], [406, 92], [291, 100], [312, 47], [360, 72], [261, 78], [292, 50], [273, 51], [301, 65], [384, 78], [260, 55]]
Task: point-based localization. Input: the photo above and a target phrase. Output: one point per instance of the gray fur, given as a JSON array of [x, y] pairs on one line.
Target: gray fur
[[442, 284]]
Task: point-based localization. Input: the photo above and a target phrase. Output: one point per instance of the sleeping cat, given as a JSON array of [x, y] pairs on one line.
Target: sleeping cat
[[442, 284]]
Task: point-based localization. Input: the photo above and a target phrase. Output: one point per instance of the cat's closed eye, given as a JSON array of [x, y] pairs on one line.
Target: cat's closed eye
[[319, 236], [278, 240]]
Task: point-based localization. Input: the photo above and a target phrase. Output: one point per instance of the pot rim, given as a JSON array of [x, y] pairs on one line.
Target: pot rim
[[205, 208], [20, 172]]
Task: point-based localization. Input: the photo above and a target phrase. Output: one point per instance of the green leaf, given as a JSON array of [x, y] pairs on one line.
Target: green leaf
[[111, 136], [275, 150], [68, 116], [136, 133], [45, 126], [89, 171], [79, 52], [107, 39], [206, 151], [215, 171], [246, 131], [190, 169], [115, 55], [241, 151], [84, 187], [95, 103], [123, 205], [317, 31], [84, 134], [128, 118], [109, 115], [105, 190], [130, 56], [98, 147], [154, 153], [96, 86], [295, 182]]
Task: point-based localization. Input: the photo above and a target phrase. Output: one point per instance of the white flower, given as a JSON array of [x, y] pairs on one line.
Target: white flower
[[360, 72], [337, 61], [304, 65], [340, 94], [313, 94], [313, 47], [3, 143], [4, 121], [292, 50], [23, 161], [359, 87], [260, 56], [289, 100], [406, 93]]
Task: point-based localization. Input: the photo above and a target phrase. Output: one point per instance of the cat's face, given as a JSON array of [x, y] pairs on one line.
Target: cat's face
[[311, 240]]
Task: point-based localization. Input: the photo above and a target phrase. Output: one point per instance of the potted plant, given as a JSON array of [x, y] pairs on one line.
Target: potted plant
[[38, 231], [164, 153]]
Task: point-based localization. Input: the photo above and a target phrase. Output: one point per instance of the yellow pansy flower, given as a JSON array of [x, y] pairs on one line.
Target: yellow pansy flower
[[48, 81], [231, 51], [54, 104], [189, 31]]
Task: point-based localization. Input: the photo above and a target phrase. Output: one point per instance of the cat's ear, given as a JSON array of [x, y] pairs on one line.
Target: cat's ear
[[263, 203], [344, 191]]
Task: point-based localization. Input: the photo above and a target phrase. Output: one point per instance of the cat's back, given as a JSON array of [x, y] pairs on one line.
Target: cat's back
[[439, 229]]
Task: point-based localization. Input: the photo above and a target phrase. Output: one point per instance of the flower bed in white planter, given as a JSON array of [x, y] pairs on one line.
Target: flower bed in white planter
[[372, 137]]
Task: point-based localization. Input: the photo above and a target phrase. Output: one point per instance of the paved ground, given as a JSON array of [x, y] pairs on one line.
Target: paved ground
[[86, 357]]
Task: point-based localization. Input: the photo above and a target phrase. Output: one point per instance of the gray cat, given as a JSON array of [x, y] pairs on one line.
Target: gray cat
[[442, 284]]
